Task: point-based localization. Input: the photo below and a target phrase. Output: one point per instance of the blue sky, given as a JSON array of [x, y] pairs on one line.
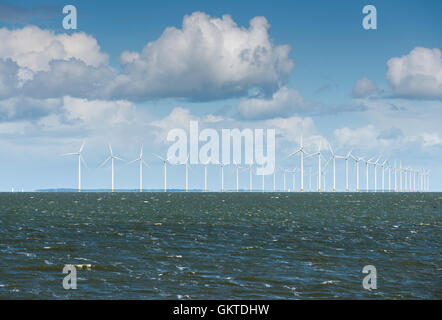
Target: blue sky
[[398, 116]]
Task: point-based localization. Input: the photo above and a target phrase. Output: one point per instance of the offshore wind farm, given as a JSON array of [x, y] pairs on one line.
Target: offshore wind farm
[[410, 179], [223, 150]]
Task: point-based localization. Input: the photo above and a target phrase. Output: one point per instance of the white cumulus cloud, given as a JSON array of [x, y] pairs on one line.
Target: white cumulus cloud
[[363, 88], [208, 58], [417, 75]]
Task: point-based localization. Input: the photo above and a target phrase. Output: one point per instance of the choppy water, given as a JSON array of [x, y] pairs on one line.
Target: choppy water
[[220, 246]]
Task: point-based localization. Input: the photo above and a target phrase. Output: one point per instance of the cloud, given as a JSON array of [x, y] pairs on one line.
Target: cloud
[[208, 58], [390, 134], [72, 77], [360, 138], [430, 140], [8, 78], [417, 75], [33, 49], [282, 103], [285, 103], [363, 88], [22, 108]]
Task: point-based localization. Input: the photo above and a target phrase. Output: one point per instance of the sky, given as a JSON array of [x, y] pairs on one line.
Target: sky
[[134, 70]]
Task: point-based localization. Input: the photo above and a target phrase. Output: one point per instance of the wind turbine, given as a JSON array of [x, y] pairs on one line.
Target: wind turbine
[[319, 154], [324, 172], [400, 176], [389, 177], [142, 162], [112, 158], [366, 173], [357, 159], [222, 176], [80, 160], [165, 161], [375, 164], [302, 152], [334, 167], [383, 169], [237, 167], [395, 177], [187, 166], [187, 173], [346, 157]]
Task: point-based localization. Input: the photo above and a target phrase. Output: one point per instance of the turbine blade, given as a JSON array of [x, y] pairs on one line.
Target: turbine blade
[[81, 148], [83, 161], [159, 157], [331, 149], [130, 162], [105, 161]]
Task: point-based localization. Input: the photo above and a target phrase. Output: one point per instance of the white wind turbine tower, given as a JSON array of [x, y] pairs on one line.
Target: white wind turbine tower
[[428, 180], [346, 168], [112, 157], [383, 171], [357, 159], [142, 162], [319, 154], [334, 157], [165, 161], [187, 166], [334, 166], [389, 176], [366, 173], [80, 160], [400, 176], [324, 173], [237, 167], [375, 164], [395, 176], [405, 180], [222, 176], [302, 152], [414, 180]]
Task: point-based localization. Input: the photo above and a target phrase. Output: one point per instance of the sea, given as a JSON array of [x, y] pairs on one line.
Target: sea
[[213, 245]]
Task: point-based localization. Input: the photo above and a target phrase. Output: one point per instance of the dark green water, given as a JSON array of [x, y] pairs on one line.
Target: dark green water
[[220, 246]]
